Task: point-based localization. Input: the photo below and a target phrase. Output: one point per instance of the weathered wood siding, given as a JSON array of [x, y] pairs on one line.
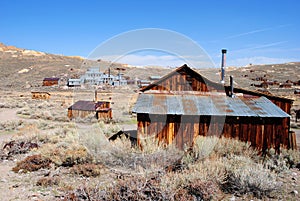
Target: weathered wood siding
[[285, 106], [40, 95], [79, 113], [50, 82], [107, 114], [182, 130], [185, 81]]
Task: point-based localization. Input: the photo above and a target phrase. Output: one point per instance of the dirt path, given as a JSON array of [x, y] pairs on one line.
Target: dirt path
[[8, 114]]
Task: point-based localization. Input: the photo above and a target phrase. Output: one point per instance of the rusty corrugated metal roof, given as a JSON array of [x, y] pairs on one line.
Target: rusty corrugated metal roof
[[207, 105]]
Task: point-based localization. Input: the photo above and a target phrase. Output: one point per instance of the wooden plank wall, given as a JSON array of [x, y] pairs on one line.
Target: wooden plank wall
[[182, 82], [104, 114], [285, 106], [261, 133], [79, 113], [49, 83]]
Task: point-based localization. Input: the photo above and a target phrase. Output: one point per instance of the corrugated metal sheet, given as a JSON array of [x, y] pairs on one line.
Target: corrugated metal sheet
[[207, 105]]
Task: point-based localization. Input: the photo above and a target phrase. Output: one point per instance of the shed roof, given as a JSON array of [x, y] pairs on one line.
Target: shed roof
[[207, 105], [83, 105], [40, 92], [88, 106], [51, 79]]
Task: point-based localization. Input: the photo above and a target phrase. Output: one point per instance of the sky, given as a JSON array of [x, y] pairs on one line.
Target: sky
[[253, 31]]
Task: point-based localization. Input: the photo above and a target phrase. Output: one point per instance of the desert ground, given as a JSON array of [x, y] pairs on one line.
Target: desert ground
[[85, 166], [46, 156]]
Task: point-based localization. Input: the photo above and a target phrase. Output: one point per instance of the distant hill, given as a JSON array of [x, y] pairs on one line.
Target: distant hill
[[22, 68]]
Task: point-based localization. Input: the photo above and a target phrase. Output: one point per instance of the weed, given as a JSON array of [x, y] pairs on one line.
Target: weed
[[87, 170], [48, 181], [32, 163]]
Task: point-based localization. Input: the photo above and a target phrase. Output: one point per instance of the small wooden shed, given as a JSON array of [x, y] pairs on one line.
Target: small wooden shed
[[50, 81], [40, 95], [82, 109]]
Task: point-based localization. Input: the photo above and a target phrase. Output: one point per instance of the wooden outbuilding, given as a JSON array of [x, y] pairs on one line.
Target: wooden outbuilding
[[40, 95], [50, 81], [82, 109], [184, 104]]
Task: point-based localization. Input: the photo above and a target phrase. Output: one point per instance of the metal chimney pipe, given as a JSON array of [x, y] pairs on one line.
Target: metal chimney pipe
[[231, 87], [223, 65]]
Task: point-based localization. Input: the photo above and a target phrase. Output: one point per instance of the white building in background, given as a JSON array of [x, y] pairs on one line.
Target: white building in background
[[93, 76]]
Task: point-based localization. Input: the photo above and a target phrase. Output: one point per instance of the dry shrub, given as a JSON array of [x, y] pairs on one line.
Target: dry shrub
[[243, 176], [32, 163], [284, 161], [66, 155], [11, 125], [200, 190], [120, 154], [19, 147], [228, 146], [131, 188], [182, 194], [88, 170], [152, 157], [48, 181], [145, 187]]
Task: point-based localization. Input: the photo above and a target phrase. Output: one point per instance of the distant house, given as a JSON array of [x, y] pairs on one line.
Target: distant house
[[155, 77], [82, 109], [93, 76], [143, 83], [74, 83], [40, 95], [50, 81]]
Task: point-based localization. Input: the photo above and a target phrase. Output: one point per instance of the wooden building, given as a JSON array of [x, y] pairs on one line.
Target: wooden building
[[40, 95], [184, 104], [50, 81], [82, 109]]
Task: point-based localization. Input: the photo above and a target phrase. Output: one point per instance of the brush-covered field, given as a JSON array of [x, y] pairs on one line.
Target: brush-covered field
[[46, 156]]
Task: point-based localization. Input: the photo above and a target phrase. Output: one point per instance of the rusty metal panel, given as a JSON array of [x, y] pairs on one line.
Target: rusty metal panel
[[237, 107], [159, 105], [263, 107], [174, 105], [143, 104]]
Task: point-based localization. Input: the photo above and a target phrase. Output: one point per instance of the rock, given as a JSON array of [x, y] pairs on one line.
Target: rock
[[294, 192]]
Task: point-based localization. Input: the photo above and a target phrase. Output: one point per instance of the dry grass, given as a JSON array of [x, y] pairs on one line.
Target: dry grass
[[215, 166], [48, 181], [88, 170]]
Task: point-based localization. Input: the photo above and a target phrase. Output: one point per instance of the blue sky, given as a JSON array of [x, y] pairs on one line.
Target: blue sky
[[253, 31]]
